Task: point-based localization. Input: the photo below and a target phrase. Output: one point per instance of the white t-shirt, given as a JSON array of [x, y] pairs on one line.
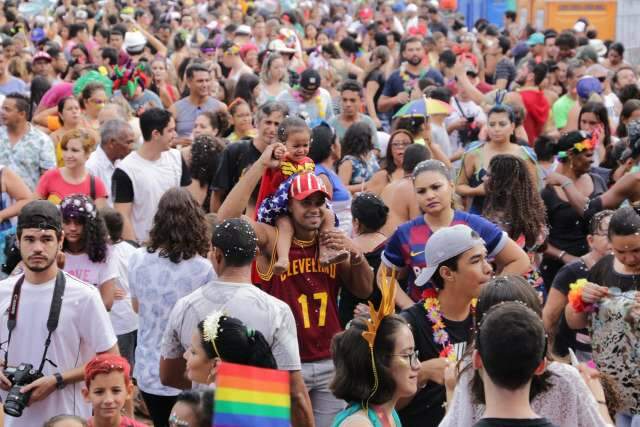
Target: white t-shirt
[[94, 273], [257, 309], [463, 109], [441, 137], [157, 284], [123, 318], [83, 330], [150, 180]]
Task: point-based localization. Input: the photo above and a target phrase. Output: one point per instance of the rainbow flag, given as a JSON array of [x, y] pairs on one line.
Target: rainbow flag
[[248, 396]]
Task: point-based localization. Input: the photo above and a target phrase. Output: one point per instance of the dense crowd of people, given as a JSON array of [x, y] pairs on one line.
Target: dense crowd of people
[[423, 224]]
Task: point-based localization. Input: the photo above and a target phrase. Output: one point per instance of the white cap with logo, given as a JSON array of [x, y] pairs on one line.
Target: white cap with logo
[[444, 244]]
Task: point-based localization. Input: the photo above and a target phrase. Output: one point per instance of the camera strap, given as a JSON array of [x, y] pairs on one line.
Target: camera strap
[[52, 321]]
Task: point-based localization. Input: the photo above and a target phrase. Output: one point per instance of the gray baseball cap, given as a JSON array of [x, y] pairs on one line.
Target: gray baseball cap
[[444, 244]]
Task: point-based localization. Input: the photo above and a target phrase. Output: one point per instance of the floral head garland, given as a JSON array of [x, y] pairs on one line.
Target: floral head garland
[[128, 79], [387, 308], [78, 206], [210, 329], [588, 143]]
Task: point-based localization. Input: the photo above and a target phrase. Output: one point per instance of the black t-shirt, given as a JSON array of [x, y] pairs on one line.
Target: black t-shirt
[[603, 274], [565, 336], [511, 422], [347, 302], [568, 229], [122, 187], [426, 410], [378, 77], [236, 159]]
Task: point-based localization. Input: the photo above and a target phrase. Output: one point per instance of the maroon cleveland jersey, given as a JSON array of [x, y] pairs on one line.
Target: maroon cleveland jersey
[[312, 293]]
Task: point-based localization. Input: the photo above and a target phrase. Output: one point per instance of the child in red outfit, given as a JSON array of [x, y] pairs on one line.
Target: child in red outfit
[[296, 136], [107, 387]]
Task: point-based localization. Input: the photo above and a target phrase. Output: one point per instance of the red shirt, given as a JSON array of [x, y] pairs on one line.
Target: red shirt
[[537, 112], [54, 188], [312, 293]]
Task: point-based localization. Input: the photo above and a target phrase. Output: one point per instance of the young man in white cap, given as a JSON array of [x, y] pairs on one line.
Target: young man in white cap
[[442, 324]]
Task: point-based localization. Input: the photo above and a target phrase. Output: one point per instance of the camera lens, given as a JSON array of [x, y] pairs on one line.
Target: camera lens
[[13, 408]]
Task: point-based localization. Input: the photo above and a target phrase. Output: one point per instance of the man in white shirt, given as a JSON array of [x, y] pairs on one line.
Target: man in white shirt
[[234, 246], [83, 328], [116, 142], [145, 175]]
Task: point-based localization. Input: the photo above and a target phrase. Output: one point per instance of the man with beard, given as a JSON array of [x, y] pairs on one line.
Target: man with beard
[[83, 327], [308, 287], [530, 76], [402, 83], [239, 156]]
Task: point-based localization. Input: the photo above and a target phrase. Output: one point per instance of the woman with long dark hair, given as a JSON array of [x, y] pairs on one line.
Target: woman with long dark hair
[[172, 265], [358, 163], [246, 89], [206, 152], [513, 202], [85, 246]]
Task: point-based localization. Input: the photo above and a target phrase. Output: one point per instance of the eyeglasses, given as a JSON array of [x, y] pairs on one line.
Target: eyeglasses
[[602, 79], [400, 144], [412, 358], [174, 421]]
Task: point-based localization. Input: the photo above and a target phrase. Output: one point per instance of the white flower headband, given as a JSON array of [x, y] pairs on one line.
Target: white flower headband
[[210, 329]]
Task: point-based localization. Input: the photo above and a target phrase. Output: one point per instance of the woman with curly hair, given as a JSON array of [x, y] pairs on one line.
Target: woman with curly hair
[[172, 265], [205, 155], [358, 163], [514, 204], [85, 246]]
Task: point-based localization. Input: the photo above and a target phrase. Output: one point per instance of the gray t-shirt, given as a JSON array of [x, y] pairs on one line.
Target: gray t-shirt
[[257, 309]]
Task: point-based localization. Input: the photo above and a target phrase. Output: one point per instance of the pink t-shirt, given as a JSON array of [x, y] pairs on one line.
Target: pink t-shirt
[[54, 188]]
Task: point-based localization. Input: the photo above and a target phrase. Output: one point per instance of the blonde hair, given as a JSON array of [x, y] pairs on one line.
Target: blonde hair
[[88, 140]]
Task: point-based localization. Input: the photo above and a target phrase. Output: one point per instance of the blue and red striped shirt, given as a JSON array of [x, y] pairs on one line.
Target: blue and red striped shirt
[[406, 246]]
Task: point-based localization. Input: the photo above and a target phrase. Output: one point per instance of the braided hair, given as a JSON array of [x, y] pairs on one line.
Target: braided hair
[[512, 199]]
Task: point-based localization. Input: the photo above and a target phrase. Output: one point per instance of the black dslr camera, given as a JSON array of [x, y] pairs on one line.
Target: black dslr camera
[[19, 376]]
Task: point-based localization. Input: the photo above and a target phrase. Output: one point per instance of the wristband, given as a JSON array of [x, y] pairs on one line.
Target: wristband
[[59, 381], [566, 183], [561, 255]]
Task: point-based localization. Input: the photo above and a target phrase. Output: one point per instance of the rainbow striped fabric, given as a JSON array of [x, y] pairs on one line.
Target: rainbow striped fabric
[[248, 396]]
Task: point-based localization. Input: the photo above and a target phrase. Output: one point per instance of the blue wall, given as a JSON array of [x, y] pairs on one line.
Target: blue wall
[[493, 10]]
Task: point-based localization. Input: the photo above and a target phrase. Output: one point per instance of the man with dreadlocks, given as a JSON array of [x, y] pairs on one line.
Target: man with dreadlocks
[[130, 83]]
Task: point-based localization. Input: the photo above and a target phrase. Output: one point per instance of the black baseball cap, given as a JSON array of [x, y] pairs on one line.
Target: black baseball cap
[[40, 214], [310, 79]]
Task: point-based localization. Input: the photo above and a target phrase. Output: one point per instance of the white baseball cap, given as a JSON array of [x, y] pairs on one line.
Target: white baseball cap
[[444, 244]]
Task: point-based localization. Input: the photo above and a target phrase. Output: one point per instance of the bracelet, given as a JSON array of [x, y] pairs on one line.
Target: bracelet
[[561, 255], [566, 183]]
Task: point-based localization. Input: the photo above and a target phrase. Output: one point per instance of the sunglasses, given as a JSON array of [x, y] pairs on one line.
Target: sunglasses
[[602, 79]]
